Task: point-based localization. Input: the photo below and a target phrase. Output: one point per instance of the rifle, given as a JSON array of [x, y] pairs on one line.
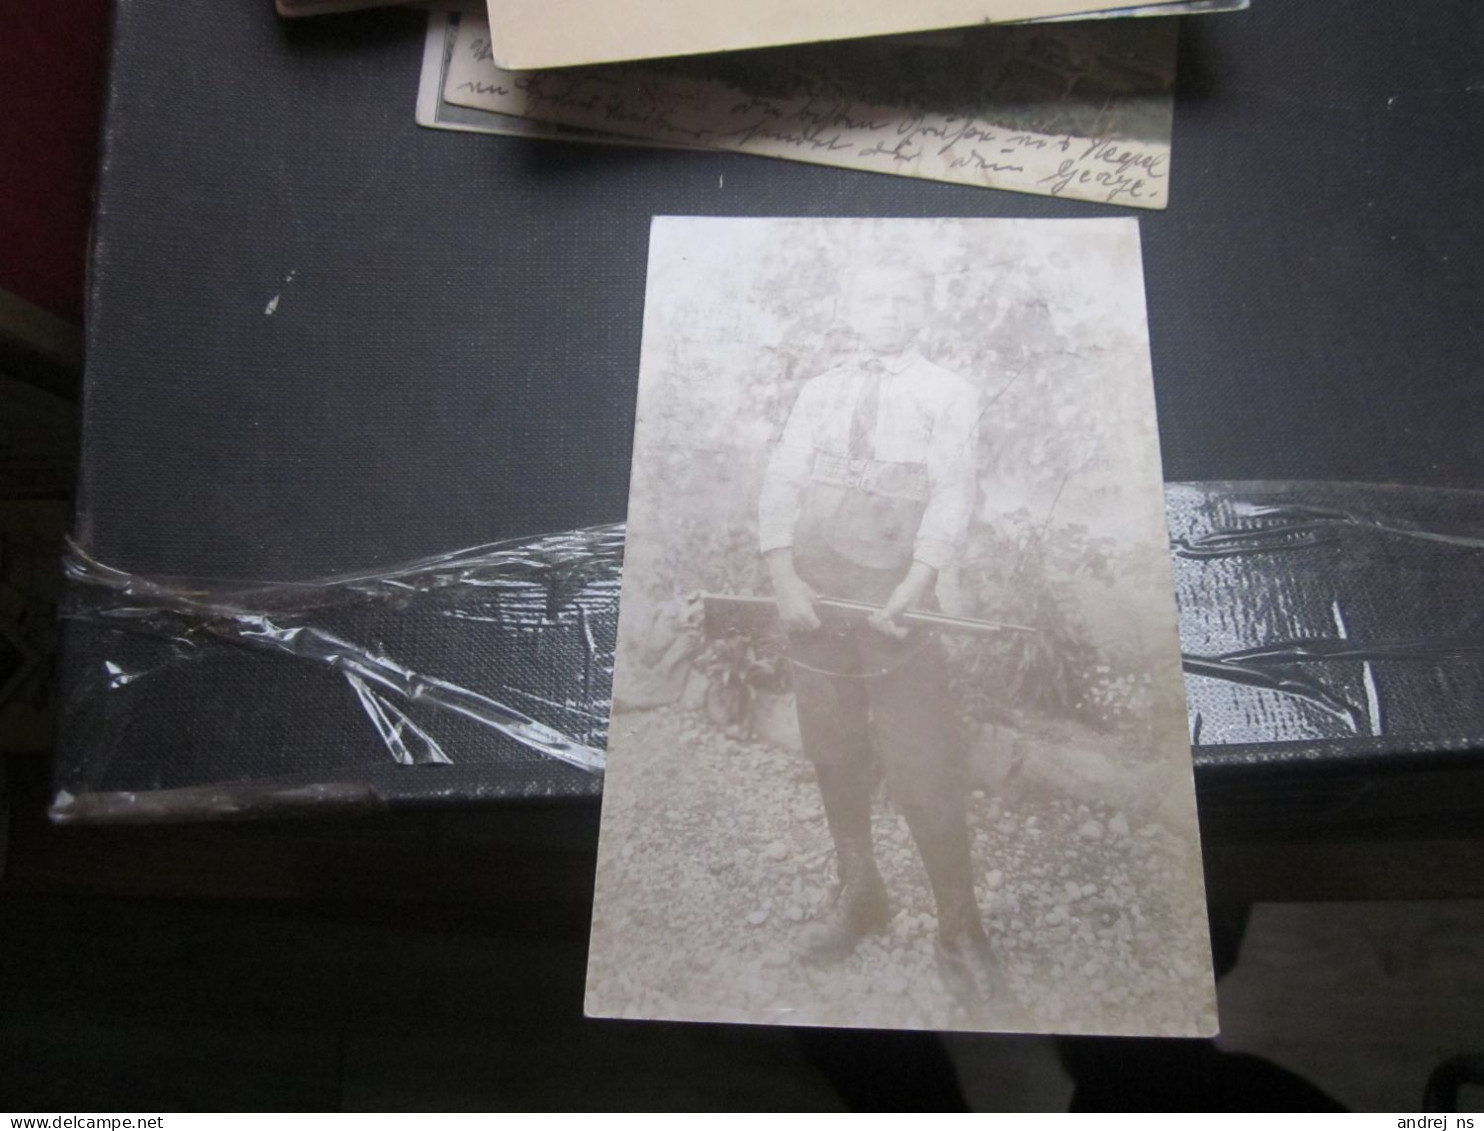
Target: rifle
[[730, 612]]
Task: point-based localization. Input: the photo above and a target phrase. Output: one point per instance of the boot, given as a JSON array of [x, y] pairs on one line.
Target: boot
[[966, 962], [970, 973], [861, 907]]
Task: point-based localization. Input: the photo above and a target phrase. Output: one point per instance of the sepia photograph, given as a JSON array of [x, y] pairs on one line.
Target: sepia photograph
[[899, 736]]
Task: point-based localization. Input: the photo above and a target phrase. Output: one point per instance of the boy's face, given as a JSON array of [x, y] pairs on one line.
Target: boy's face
[[887, 307]]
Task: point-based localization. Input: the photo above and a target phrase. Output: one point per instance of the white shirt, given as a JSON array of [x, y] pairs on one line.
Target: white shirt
[[926, 415]]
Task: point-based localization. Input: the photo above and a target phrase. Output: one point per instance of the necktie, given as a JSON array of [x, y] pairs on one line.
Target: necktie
[[867, 404]]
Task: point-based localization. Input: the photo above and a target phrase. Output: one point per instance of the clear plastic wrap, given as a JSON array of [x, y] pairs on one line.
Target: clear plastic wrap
[[533, 664], [1330, 612], [1323, 617]]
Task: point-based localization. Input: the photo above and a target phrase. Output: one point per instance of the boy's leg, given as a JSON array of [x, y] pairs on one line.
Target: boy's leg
[[834, 710], [916, 728]]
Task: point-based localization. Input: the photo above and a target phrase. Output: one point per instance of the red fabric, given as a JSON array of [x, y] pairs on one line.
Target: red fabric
[[52, 62]]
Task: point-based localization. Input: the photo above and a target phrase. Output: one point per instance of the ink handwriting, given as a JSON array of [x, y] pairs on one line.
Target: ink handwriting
[[819, 118], [1116, 171]]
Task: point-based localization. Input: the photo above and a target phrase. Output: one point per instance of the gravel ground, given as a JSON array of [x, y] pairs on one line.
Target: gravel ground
[[715, 856]]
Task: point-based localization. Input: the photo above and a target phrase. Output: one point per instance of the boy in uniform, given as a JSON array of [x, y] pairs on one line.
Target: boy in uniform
[[868, 496]]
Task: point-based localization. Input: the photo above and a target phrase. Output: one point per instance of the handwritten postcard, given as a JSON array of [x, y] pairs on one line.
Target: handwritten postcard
[[438, 112], [1075, 110], [1178, 8], [899, 733], [535, 34]]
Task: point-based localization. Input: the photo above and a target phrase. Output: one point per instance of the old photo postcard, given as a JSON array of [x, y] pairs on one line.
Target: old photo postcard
[[532, 34], [435, 110], [452, 33], [1077, 110], [899, 733]]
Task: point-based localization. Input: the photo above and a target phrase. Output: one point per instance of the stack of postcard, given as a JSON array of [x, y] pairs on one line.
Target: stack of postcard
[[533, 34], [1068, 101]]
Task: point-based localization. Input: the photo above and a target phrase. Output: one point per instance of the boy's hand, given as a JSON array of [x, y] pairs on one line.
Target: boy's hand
[[908, 593], [795, 595]]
